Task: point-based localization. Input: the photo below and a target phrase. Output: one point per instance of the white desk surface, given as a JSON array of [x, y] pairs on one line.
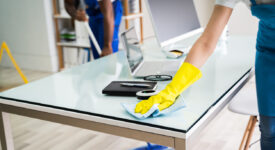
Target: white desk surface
[[78, 89]]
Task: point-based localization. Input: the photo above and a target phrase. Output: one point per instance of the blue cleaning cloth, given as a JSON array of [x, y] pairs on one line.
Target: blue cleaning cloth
[[154, 111]]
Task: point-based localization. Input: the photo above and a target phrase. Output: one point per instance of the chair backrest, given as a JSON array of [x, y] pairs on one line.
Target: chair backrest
[[245, 101]]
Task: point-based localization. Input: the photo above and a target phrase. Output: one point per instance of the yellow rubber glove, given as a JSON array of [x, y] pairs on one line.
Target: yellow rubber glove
[[186, 75]]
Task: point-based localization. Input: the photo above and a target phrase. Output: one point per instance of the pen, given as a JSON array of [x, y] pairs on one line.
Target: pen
[[135, 84]]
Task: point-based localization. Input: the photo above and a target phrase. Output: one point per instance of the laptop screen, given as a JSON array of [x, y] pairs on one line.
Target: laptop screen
[[131, 44]]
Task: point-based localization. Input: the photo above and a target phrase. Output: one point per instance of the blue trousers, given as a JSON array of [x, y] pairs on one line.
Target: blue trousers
[[96, 23], [267, 128]]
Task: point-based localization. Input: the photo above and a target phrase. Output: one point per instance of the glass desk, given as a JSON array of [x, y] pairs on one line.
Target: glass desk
[[75, 94]]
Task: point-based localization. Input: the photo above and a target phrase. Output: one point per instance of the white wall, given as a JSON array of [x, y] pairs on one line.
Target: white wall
[[242, 22], [204, 9], [27, 27]]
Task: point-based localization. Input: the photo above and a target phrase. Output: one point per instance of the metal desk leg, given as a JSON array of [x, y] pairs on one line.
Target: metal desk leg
[[5, 132], [180, 144]]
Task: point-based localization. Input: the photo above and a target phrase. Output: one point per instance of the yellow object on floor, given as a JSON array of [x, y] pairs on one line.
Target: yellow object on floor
[[4, 46], [186, 75]]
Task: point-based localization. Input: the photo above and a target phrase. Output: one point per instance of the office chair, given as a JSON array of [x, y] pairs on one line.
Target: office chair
[[245, 102]]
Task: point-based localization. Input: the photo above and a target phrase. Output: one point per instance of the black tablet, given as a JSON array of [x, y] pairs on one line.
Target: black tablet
[[119, 88]]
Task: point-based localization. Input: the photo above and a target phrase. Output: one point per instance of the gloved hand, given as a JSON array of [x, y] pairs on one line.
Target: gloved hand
[[186, 75]]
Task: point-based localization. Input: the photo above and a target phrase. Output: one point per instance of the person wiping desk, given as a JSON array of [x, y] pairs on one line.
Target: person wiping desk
[[189, 72]]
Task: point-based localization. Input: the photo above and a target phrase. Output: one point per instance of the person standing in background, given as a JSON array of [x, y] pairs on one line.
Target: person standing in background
[[104, 20]]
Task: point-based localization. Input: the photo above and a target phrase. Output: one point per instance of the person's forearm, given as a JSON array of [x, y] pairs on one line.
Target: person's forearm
[[107, 11], [70, 8], [199, 53], [206, 44]]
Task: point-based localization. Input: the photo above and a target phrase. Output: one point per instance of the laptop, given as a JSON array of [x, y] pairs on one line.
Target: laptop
[[141, 68]]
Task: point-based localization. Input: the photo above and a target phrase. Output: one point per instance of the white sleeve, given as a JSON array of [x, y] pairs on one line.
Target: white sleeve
[[227, 3]]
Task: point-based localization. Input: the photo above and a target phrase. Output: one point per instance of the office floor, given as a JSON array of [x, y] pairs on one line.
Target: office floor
[[223, 133]]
